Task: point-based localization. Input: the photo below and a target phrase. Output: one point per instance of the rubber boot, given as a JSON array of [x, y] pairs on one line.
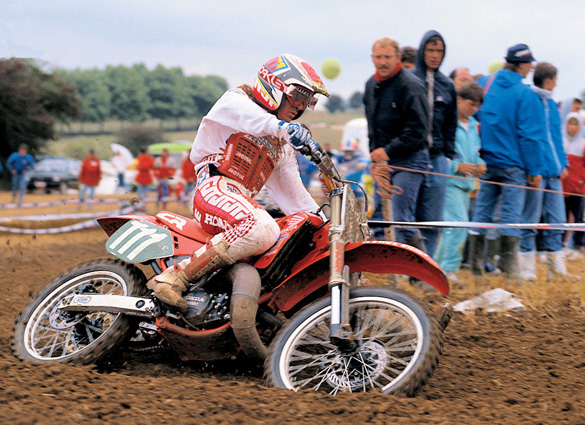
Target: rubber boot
[[493, 251], [508, 262], [417, 242], [477, 253], [170, 285], [556, 265], [527, 263]]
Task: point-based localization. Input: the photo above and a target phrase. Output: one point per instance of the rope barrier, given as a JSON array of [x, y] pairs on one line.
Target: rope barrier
[[79, 226], [485, 181], [578, 227], [58, 203]]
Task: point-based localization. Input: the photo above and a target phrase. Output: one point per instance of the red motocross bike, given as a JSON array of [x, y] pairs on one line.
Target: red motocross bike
[[308, 308]]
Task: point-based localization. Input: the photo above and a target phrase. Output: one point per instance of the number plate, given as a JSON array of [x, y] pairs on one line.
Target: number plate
[[140, 241]]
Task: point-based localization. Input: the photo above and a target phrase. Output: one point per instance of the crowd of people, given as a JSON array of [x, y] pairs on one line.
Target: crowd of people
[[526, 148]]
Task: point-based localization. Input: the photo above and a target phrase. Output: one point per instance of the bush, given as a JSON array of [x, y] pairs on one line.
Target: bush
[[138, 136]]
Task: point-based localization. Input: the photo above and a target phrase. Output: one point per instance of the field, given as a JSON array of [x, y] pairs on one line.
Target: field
[[503, 368]]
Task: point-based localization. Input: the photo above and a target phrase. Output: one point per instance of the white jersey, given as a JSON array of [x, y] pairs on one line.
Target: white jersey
[[235, 112]]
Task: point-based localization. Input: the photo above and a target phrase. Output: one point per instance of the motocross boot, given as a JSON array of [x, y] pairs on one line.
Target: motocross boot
[[170, 285]]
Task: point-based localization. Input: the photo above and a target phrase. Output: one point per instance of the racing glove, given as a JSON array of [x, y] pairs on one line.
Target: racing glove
[[299, 136]]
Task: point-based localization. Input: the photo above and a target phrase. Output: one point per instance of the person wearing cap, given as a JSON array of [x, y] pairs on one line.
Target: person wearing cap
[[513, 144]]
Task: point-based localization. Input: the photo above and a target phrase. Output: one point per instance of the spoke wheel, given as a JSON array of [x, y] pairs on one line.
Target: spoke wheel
[[45, 333], [398, 344]]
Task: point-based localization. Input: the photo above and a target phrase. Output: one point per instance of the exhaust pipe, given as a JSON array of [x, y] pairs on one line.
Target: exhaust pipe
[[243, 309]]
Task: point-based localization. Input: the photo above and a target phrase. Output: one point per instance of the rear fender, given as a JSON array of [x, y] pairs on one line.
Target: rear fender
[[372, 257]]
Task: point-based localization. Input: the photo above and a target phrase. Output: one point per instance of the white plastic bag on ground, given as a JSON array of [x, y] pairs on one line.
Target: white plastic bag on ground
[[491, 301]]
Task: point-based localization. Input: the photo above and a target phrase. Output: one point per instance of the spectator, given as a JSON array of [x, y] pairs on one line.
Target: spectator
[[441, 135], [574, 145], [408, 57], [165, 168], [120, 164], [188, 174], [512, 140], [90, 175], [460, 77], [397, 111], [466, 163], [19, 163], [352, 164], [548, 205], [144, 178], [307, 169]]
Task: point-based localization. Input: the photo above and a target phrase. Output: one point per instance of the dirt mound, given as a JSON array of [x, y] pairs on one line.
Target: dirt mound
[[499, 368]]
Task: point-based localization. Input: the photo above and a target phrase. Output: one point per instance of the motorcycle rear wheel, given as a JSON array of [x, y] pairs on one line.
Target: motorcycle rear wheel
[[44, 334], [398, 345]]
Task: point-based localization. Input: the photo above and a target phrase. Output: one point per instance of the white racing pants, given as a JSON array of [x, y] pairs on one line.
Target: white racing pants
[[224, 207]]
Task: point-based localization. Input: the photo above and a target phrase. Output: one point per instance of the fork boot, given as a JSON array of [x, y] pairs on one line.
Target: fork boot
[[170, 285]]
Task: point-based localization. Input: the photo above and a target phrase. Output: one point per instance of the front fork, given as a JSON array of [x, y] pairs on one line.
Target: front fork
[[340, 332]]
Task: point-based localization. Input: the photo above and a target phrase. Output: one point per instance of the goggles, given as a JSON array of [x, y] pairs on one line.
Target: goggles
[[301, 98]]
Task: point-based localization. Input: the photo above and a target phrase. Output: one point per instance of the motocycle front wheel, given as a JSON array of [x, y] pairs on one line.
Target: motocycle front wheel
[[397, 347], [44, 333]]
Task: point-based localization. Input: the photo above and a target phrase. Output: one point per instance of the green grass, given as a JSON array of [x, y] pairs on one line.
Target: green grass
[[326, 128]]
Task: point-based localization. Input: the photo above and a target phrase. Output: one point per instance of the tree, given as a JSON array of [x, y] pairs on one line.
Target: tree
[[169, 96], [94, 93], [205, 91], [31, 102], [130, 100], [356, 100], [335, 103]]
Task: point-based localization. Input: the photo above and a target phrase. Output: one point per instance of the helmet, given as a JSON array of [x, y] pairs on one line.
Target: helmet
[[287, 74]]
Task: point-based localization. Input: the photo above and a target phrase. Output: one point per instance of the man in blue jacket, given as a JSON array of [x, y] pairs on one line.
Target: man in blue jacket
[[19, 163], [548, 205], [441, 135], [513, 143]]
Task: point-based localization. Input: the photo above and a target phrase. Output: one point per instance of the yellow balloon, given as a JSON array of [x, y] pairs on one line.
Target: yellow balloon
[[331, 68]]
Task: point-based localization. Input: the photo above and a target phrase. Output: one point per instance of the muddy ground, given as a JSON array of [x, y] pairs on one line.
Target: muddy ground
[[498, 368]]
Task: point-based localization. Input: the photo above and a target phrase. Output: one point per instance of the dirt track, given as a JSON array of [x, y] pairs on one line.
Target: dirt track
[[496, 368]]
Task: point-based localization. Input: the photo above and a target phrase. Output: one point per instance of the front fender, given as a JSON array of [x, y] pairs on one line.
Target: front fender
[[372, 257]]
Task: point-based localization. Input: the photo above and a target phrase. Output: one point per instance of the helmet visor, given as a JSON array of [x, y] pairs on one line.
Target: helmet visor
[[301, 98]]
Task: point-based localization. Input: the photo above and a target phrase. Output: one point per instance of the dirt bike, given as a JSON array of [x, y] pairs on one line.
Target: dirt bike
[[308, 307]]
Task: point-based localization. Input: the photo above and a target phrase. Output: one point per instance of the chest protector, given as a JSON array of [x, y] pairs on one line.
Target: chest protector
[[249, 160]]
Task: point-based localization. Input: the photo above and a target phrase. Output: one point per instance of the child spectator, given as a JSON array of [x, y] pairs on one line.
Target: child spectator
[[20, 163], [165, 168], [352, 164], [466, 163], [574, 144]]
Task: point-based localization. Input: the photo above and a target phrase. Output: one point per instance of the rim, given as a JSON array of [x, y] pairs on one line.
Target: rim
[[51, 334], [389, 341]]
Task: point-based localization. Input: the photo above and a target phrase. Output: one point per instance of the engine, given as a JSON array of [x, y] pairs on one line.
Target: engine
[[205, 309]]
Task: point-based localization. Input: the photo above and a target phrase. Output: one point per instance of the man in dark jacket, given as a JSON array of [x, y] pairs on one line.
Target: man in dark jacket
[[397, 111], [442, 100]]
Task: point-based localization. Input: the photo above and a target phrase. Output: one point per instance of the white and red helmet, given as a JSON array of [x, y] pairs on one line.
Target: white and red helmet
[[287, 74]]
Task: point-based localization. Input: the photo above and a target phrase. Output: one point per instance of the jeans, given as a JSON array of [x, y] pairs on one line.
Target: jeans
[[450, 250], [551, 207], [403, 205], [511, 198], [19, 186], [142, 191], [431, 201], [84, 189]]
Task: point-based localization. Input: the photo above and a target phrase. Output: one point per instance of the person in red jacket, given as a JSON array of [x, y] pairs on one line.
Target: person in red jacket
[[144, 177], [90, 175], [164, 169], [188, 174]]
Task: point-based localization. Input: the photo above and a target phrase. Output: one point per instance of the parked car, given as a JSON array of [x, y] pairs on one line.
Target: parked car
[[55, 173]]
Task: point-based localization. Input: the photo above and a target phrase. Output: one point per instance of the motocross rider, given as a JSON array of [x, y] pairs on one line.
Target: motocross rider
[[246, 119]]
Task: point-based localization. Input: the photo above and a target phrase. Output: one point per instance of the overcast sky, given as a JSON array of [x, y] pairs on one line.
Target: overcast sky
[[233, 38]]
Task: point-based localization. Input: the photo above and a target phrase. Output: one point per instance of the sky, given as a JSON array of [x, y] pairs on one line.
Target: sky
[[234, 38]]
